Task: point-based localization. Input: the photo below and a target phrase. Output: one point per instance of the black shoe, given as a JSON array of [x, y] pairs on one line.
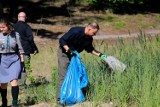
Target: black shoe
[[4, 103], [14, 103]]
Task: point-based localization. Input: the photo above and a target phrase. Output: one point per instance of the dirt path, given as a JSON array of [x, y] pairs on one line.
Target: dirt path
[[104, 35], [129, 35]]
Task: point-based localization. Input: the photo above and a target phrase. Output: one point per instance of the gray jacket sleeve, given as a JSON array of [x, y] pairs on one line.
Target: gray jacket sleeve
[[20, 49]]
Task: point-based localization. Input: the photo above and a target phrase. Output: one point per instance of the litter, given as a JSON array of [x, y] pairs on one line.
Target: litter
[[115, 64]]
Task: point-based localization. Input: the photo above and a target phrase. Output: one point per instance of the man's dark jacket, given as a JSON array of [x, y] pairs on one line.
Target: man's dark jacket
[[26, 36]]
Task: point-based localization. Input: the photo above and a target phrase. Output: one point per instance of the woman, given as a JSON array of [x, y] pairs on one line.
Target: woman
[[11, 60]]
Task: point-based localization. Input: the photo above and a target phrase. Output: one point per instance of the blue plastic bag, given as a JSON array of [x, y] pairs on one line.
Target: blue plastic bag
[[76, 78]]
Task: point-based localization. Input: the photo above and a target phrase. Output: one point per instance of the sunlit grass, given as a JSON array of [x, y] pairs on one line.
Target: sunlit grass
[[138, 86], [45, 61], [145, 25]]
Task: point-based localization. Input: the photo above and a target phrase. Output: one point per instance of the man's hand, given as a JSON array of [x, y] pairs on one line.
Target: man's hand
[[102, 56], [71, 53]]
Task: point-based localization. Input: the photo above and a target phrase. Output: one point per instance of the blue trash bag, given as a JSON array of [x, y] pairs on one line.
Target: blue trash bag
[[76, 78]]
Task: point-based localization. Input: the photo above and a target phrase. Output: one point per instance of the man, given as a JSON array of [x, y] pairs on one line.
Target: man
[[28, 44], [79, 39]]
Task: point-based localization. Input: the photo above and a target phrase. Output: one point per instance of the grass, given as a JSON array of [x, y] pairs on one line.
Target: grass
[[135, 86], [45, 61], [119, 25], [157, 18], [41, 81], [138, 86]]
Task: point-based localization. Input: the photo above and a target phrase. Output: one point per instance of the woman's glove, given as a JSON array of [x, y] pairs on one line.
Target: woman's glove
[[103, 56], [22, 67]]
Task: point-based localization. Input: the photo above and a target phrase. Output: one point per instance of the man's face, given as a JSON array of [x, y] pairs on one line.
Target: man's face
[[92, 32], [22, 16]]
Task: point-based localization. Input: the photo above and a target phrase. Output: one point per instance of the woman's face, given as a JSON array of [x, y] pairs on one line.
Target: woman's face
[[3, 28]]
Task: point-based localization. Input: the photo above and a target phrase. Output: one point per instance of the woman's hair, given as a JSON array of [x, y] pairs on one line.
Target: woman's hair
[[8, 23]]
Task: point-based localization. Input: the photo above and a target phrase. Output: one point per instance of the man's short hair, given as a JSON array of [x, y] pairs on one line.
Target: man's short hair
[[93, 25]]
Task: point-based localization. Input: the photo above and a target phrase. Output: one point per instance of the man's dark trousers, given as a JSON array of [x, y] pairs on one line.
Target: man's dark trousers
[[63, 62]]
